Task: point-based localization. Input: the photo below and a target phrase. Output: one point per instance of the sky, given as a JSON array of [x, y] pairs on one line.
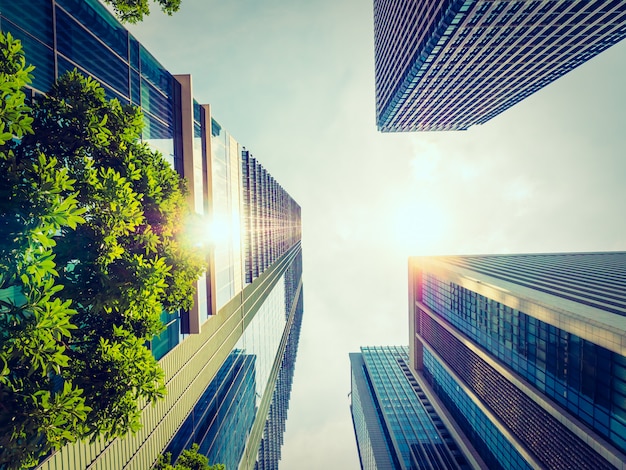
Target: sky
[[294, 83]]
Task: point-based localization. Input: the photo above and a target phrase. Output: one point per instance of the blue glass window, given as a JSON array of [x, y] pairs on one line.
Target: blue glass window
[[152, 70], [134, 52], [135, 88], [37, 53], [169, 338], [155, 103], [100, 22], [37, 22], [76, 44], [65, 65]]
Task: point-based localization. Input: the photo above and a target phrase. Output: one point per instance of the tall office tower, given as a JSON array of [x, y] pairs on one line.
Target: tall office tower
[[232, 341], [450, 64], [272, 440], [396, 425], [527, 353], [240, 418]]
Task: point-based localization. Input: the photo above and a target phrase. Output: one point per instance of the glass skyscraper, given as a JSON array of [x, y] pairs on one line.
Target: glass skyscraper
[[395, 423], [451, 64], [222, 359], [527, 353]]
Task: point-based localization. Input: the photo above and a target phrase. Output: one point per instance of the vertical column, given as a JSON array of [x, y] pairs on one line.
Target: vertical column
[[190, 321], [416, 349], [211, 288]]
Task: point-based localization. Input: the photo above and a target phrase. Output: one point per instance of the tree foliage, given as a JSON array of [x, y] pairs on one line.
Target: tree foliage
[[190, 459], [133, 11], [91, 253]]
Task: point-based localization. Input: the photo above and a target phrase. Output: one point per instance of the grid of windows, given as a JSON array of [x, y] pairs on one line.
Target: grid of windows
[[271, 218], [587, 379], [223, 415], [473, 59], [374, 442], [553, 444], [226, 195], [270, 447], [495, 450], [414, 433], [222, 419], [60, 35]]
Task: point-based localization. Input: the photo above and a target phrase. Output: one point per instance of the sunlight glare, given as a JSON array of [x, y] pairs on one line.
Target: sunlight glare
[[418, 228], [205, 231]]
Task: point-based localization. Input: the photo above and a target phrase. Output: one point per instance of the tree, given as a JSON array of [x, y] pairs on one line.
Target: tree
[[190, 459], [91, 253], [133, 11]]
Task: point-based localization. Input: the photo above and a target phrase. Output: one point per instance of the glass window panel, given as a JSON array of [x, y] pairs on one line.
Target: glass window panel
[[134, 52], [135, 88], [100, 22], [619, 371], [619, 359], [153, 71], [618, 428], [155, 103], [80, 47], [38, 53], [169, 338], [66, 66], [196, 111], [159, 136], [34, 16]]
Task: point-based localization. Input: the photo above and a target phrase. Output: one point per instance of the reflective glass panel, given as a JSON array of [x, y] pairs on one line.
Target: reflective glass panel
[[34, 16], [97, 19], [77, 45]]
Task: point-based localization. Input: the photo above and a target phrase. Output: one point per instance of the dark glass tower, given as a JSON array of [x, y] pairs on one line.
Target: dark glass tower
[[450, 64], [527, 353], [395, 424]]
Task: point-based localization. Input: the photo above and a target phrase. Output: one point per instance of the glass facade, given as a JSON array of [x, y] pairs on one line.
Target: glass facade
[[591, 279], [495, 450], [257, 231], [270, 447], [372, 438], [216, 423], [581, 376], [258, 225], [223, 418], [61, 35], [219, 423], [448, 65], [271, 218], [226, 189], [547, 385], [414, 434]]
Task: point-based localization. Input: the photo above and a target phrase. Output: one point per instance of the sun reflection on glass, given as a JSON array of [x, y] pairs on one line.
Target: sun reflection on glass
[[205, 231]]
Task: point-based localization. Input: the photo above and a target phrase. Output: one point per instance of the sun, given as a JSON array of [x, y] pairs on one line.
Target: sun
[[418, 228]]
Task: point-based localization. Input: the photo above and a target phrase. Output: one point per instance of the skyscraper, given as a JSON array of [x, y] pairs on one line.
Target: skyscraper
[[450, 64], [229, 347], [395, 423], [527, 353], [239, 420]]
